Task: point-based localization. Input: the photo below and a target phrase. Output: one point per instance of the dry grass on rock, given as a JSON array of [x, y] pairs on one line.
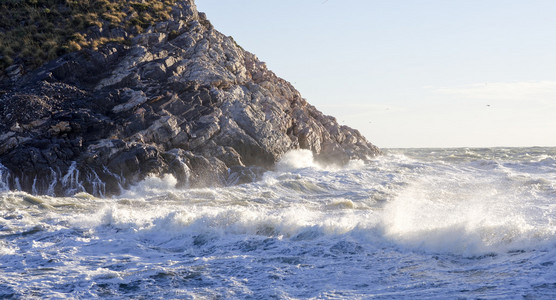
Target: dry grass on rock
[[35, 31]]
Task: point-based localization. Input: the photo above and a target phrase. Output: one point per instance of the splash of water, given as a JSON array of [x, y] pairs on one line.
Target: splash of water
[[4, 178], [431, 225], [70, 182], [296, 159], [99, 186]]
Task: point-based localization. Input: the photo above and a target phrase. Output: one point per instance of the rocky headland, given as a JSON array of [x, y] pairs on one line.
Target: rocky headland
[[179, 98]]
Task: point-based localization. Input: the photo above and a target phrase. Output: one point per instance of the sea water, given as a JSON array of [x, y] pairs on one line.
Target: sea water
[[413, 223]]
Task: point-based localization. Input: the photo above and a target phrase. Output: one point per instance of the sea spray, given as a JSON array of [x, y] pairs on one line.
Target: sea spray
[[51, 186], [4, 178], [17, 184], [474, 223], [303, 158], [120, 180], [99, 186], [296, 160], [70, 181]]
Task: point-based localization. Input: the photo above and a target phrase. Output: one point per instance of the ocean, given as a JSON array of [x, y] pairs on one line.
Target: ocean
[[414, 223]]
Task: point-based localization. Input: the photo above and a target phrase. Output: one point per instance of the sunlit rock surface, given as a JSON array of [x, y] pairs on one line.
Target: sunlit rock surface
[[181, 99]]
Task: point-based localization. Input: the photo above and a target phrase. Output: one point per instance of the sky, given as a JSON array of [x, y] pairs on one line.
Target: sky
[[411, 73]]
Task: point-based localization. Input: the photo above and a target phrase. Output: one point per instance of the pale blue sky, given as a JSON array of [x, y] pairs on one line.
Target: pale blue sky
[[411, 73]]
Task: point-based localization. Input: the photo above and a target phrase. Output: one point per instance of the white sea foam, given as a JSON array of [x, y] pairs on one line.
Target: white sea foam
[[6, 249], [303, 158], [296, 159], [474, 224], [470, 211], [151, 186], [471, 223]]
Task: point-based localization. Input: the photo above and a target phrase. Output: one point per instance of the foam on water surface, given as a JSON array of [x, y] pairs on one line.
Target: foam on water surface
[[467, 222]]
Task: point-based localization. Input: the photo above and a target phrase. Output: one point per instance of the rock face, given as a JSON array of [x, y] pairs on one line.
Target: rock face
[[182, 98]]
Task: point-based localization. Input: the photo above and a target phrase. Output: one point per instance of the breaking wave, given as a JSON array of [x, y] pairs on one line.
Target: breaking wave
[[422, 222]]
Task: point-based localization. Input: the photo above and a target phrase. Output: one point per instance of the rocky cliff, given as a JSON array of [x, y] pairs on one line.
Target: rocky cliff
[[180, 98]]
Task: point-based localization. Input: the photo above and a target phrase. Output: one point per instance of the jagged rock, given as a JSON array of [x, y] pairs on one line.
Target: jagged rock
[[181, 99], [14, 72], [136, 98]]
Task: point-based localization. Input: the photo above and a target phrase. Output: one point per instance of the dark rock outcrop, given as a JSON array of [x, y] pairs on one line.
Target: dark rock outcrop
[[181, 99]]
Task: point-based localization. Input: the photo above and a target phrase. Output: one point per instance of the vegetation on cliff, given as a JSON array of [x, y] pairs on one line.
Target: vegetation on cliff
[[180, 98], [35, 31]]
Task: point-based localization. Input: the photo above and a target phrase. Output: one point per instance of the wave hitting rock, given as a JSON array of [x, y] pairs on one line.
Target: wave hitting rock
[[181, 98]]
